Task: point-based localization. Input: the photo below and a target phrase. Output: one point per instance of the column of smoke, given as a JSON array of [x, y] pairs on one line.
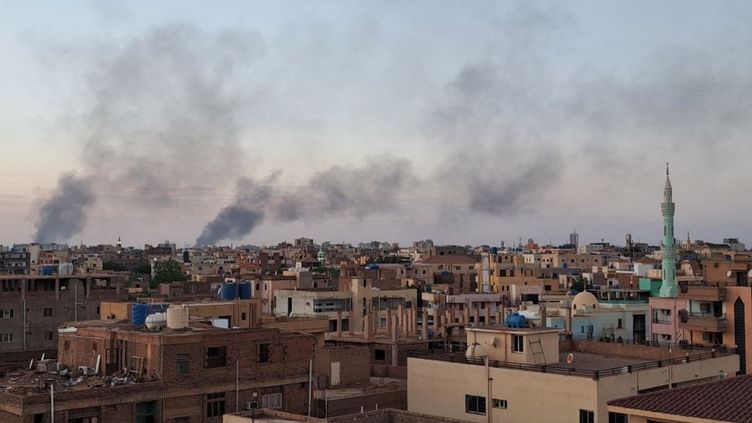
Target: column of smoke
[[163, 117], [358, 191], [160, 116]]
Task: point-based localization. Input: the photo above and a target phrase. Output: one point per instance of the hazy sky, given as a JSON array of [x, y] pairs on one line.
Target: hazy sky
[[464, 122]]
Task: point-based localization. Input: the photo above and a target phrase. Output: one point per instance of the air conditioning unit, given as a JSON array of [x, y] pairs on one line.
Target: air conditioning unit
[[251, 405]]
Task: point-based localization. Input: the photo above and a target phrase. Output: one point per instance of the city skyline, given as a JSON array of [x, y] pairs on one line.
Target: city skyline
[[347, 123]]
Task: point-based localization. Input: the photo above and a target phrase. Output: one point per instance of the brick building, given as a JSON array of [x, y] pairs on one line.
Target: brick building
[[32, 307], [190, 375]]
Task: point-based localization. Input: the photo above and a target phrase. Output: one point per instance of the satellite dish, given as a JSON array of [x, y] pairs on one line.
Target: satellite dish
[[729, 274], [570, 358]]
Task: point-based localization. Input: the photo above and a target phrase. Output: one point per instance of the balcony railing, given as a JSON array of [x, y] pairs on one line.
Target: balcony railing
[[702, 293], [563, 369], [706, 322]]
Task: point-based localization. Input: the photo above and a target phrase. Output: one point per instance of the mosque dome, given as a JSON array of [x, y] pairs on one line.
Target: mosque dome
[[584, 300]]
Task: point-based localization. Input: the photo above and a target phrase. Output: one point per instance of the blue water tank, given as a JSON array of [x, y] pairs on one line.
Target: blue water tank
[[228, 291], [139, 313], [516, 320], [244, 290], [47, 271]]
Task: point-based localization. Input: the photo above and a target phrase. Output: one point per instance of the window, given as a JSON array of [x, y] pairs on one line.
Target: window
[[379, 355], [48, 312], [475, 404], [271, 400], [619, 324], [48, 336], [183, 361], [6, 314], [617, 418], [242, 316], [518, 343], [6, 338], [98, 310], [215, 405], [263, 353], [587, 416], [215, 357], [500, 403]]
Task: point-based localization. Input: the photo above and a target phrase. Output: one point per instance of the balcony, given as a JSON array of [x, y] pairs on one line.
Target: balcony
[[702, 293], [704, 322]]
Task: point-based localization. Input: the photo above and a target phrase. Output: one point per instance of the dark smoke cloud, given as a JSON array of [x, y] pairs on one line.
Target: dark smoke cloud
[[62, 215], [243, 215], [161, 116], [357, 191]]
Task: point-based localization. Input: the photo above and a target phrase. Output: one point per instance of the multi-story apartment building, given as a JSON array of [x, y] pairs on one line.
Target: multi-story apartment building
[[194, 373], [457, 271], [15, 262], [32, 307], [533, 377]]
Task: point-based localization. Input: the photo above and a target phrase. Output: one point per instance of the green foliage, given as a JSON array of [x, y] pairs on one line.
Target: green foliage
[[332, 272], [579, 284], [113, 266], [143, 269], [167, 271]]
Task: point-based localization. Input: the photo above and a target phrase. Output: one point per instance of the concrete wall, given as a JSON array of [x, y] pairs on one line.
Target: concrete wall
[[439, 388]]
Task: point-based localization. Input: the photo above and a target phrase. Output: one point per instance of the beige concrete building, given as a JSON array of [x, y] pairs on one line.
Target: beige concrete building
[[532, 377]]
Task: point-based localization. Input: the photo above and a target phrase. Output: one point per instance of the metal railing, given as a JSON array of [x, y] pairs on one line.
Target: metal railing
[[560, 368]]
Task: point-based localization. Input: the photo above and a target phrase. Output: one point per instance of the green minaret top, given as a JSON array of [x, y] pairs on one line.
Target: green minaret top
[[669, 289], [321, 256]]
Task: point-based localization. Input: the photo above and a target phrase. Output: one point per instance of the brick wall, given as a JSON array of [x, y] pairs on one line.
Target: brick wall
[[353, 364]]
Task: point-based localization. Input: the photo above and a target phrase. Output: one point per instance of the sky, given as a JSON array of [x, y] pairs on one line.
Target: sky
[[464, 122]]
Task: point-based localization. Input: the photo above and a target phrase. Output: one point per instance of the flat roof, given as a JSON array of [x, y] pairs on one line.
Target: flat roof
[[73, 276], [506, 329]]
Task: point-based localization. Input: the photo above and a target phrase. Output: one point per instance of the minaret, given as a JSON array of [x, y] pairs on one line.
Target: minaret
[[669, 288], [321, 256]]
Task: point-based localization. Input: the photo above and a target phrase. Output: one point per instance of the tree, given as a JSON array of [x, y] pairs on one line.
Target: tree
[[167, 271], [579, 284], [114, 266]]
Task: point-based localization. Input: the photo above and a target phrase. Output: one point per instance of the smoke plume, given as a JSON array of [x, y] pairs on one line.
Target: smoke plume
[[160, 117], [357, 191], [62, 215]]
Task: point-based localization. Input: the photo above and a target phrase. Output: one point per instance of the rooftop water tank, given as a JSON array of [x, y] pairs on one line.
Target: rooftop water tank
[[156, 321], [228, 291], [178, 317], [244, 290], [139, 313], [516, 320]]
